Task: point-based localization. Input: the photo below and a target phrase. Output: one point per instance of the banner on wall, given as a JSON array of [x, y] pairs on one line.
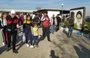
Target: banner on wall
[[79, 14]]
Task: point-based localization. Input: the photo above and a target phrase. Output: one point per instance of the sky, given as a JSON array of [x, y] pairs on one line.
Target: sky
[[33, 4]]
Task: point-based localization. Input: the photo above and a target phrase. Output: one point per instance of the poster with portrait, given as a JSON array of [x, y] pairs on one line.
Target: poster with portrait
[[79, 14]]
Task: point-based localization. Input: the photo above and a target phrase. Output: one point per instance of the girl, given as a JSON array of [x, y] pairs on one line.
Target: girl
[[35, 33], [27, 30]]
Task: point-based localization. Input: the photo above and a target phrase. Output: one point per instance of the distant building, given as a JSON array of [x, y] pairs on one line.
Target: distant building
[[39, 11], [50, 12]]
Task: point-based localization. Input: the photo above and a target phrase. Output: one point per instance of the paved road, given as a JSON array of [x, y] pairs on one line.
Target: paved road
[[60, 47]]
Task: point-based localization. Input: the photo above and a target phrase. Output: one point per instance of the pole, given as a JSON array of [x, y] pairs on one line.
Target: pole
[[62, 11], [62, 15]]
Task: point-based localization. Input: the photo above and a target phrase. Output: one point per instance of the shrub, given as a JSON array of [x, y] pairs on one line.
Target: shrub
[[87, 27], [66, 23]]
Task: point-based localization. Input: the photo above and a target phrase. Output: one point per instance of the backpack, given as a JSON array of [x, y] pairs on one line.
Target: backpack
[[46, 23]]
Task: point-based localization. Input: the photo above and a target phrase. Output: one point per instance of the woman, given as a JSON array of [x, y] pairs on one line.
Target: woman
[[27, 30], [4, 25], [1, 15], [0, 20]]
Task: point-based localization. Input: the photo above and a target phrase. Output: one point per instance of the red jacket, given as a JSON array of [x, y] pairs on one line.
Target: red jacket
[[12, 22]]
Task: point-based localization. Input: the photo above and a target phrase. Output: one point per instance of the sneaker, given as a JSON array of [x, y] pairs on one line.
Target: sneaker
[[31, 46], [35, 45], [27, 45], [3, 44], [15, 51], [8, 49], [49, 40]]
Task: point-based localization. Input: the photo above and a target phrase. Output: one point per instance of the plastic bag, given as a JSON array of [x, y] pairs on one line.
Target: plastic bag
[[24, 38]]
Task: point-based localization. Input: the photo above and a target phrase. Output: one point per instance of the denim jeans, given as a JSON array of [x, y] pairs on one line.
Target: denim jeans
[[35, 38], [28, 35], [70, 31], [52, 28]]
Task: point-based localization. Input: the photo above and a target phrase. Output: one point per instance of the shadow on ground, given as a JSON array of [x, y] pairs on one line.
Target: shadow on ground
[[87, 36], [66, 33], [18, 46], [52, 54], [2, 49], [83, 52]]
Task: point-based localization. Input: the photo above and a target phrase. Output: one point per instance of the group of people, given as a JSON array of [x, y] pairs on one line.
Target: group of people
[[11, 23]]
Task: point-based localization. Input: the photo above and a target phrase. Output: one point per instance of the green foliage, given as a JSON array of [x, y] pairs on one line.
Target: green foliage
[[87, 27], [66, 23]]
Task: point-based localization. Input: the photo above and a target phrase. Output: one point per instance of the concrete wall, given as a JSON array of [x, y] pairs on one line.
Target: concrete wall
[[50, 13]]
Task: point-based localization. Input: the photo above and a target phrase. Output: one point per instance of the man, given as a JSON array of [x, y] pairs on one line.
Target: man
[[58, 22], [12, 25], [46, 26], [71, 24], [53, 23]]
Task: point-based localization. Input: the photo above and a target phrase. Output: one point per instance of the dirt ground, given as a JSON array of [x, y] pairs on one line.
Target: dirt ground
[[60, 47]]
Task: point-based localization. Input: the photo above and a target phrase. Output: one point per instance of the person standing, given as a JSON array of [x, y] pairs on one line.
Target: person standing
[[27, 31], [58, 22], [4, 29], [35, 33], [1, 28], [71, 24], [0, 20], [20, 29], [36, 19], [46, 26], [53, 24], [12, 25], [21, 18]]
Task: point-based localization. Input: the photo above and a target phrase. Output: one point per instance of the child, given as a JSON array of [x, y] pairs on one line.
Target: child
[[35, 33]]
